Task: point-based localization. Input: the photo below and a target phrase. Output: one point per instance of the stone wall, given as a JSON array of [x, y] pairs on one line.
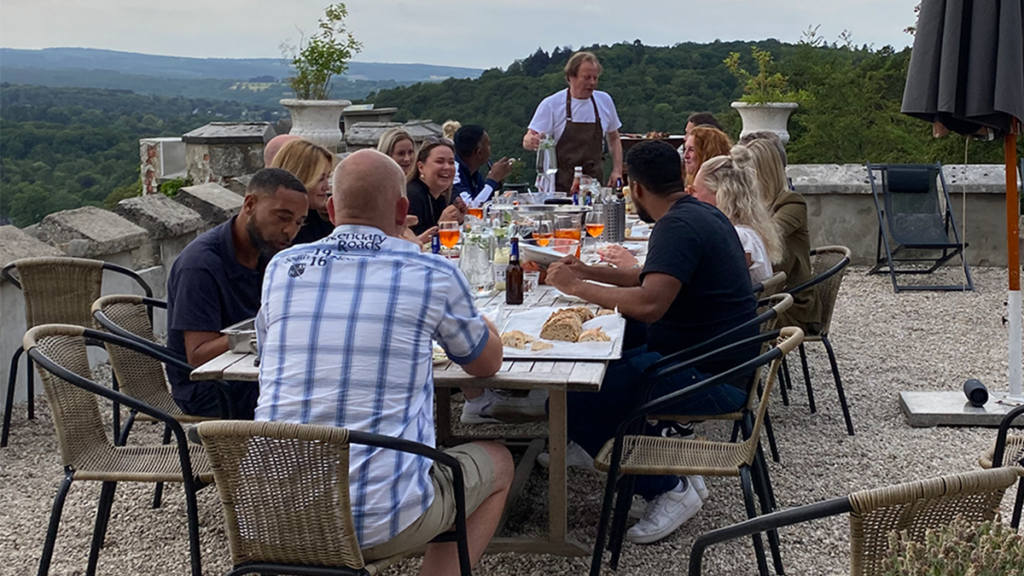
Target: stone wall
[[146, 234]]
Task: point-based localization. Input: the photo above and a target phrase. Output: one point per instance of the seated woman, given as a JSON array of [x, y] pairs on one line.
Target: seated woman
[[702, 143], [429, 187], [312, 164], [729, 183], [789, 211], [398, 144]]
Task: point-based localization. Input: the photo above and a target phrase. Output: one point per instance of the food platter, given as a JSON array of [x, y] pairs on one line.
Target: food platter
[[531, 321]]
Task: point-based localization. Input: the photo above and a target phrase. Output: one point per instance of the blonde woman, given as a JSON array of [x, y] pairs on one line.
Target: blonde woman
[[729, 183], [398, 144], [449, 128], [312, 164], [789, 210]]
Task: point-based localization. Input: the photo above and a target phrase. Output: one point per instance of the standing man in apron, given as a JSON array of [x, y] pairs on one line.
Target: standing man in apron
[[579, 118]]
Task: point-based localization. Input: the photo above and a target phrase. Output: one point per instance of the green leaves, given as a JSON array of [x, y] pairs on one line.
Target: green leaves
[[764, 87], [323, 55]]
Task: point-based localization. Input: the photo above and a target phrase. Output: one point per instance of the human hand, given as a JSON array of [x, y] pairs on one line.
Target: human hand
[[424, 239], [452, 214], [561, 276], [575, 264], [532, 140], [500, 170], [616, 175], [618, 256]]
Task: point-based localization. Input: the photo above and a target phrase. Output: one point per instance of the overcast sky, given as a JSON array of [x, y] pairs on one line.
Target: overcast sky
[[475, 33]]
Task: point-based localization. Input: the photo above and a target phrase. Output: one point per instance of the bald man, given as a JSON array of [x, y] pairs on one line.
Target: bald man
[[275, 145], [345, 332]]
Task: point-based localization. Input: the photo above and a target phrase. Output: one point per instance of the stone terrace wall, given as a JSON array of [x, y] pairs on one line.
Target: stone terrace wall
[[147, 233]]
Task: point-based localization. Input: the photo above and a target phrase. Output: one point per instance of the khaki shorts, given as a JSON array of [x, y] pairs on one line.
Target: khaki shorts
[[478, 474]]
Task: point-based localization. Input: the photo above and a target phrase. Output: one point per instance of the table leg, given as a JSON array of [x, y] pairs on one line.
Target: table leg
[[557, 509]]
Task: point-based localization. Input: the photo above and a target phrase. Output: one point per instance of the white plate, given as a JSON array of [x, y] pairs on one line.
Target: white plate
[[532, 320], [541, 255]]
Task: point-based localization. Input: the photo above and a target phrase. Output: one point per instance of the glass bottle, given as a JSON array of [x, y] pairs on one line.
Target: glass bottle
[[514, 276]]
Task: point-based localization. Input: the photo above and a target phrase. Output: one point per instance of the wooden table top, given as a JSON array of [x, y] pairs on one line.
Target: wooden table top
[[514, 374]]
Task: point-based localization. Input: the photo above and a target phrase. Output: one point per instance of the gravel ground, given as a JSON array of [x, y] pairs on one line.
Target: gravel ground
[[885, 343]]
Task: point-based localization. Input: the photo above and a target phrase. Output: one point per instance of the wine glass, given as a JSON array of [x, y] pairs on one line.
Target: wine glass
[[543, 231], [449, 232], [595, 225]]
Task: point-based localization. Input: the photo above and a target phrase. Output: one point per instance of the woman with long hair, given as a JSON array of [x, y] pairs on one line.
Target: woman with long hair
[[789, 211], [429, 187], [312, 164], [729, 183], [398, 144], [703, 143]]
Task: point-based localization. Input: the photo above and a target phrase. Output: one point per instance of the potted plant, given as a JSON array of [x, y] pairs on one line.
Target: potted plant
[[315, 61], [766, 103], [961, 548], [515, 181]]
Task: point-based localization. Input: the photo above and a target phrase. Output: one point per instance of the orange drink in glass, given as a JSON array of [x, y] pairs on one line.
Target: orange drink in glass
[[448, 232], [477, 212]]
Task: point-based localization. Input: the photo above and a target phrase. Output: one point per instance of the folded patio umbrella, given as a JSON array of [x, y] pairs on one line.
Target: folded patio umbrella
[[967, 75]]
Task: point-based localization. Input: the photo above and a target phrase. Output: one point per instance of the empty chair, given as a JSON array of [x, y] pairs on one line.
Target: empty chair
[[914, 213], [56, 291]]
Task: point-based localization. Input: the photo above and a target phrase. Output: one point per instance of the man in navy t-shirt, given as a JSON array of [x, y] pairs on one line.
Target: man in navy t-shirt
[[693, 286], [216, 281]]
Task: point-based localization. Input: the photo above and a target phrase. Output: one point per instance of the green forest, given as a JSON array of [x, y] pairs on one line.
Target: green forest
[[63, 148], [67, 147]]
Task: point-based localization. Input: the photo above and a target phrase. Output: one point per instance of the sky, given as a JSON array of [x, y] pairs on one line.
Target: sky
[[472, 33]]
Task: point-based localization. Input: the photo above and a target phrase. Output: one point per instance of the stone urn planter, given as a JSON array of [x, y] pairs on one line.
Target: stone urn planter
[[318, 121], [771, 117]]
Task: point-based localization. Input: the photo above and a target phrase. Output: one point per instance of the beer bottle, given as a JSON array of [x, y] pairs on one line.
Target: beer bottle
[[514, 276], [577, 181]]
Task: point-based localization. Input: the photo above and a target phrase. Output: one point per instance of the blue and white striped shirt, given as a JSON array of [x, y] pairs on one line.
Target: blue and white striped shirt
[[345, 333]]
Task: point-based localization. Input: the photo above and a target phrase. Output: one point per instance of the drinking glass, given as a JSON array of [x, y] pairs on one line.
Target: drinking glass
[[543, 232], [449, 232], [595, 225], [567, 226]]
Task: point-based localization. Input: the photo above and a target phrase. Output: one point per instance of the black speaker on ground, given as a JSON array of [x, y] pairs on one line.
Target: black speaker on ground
[[976, 392]]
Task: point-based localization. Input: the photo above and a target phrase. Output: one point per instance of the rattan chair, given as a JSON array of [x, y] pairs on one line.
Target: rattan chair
[[771, 286], [140, 375], [1008, 451], [768, 312], [56, 291], [284, 490], [875, 514], [629, 454], [87, 453], [829, 264]]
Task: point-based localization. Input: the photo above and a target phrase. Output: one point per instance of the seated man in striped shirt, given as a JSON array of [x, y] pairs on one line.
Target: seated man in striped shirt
[[345, 332]]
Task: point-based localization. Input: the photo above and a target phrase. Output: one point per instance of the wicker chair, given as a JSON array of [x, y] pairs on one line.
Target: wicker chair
[[768, 312], [1008, 451], [771, 286], [86, 451], [284, 490], [875, 514], [56, 291], [629, 454], [829, 266], [139, 375]]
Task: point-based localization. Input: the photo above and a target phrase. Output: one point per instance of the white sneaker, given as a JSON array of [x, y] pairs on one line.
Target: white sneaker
[[665, 513], [478, 410], [520, 409], [575, 455], [698, 484]]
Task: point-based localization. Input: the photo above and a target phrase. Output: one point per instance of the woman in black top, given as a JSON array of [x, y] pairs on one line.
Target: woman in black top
[[312, 164], [429, 187]]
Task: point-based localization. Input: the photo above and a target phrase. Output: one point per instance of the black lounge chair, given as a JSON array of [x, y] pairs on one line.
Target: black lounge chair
[[912, 217]]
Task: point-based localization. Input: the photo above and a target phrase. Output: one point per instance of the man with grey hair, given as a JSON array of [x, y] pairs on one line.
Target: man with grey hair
[[345, 335]]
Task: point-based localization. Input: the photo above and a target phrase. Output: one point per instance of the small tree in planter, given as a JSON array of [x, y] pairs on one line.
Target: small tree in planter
[[315, 61], [515, 179], [766, 103]]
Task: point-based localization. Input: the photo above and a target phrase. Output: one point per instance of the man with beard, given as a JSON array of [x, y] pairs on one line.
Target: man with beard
[[693, 286], [216, 281]]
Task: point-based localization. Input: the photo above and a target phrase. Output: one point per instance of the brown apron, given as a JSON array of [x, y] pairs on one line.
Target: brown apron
[[581, 144]]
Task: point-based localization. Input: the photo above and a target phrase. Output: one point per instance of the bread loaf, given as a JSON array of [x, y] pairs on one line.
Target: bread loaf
[[564, 327]]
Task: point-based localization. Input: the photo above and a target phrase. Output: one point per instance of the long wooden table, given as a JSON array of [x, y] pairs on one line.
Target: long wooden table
[[557, 377]]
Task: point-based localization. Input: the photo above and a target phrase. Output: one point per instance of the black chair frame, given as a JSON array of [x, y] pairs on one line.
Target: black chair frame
[[190, 481], [619, 491], [887, 261], [8, 275], [401, 445], [997, 460], [828, 349]]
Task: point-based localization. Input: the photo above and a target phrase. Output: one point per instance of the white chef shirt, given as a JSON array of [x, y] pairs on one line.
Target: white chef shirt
[[550, 115]]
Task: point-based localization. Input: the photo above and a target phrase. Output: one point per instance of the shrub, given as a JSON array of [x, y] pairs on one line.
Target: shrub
[[960, 549]]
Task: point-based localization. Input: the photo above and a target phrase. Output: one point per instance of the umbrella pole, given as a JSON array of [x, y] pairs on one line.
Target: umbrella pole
[[1013, 253]]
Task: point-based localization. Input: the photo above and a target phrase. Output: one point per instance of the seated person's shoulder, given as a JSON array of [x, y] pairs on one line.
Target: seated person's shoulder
[[789, 197]]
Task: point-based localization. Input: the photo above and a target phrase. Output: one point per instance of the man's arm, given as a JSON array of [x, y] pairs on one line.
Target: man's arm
[[625, 277], [615, 145], [489, 361], [646, 302], [201, 347], [532, 140]]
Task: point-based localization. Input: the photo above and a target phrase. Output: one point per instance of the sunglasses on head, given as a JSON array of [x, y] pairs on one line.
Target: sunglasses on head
[[438, 140]]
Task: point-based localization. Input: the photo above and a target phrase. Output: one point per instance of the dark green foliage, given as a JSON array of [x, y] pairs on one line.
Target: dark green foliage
[[62, 148]]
